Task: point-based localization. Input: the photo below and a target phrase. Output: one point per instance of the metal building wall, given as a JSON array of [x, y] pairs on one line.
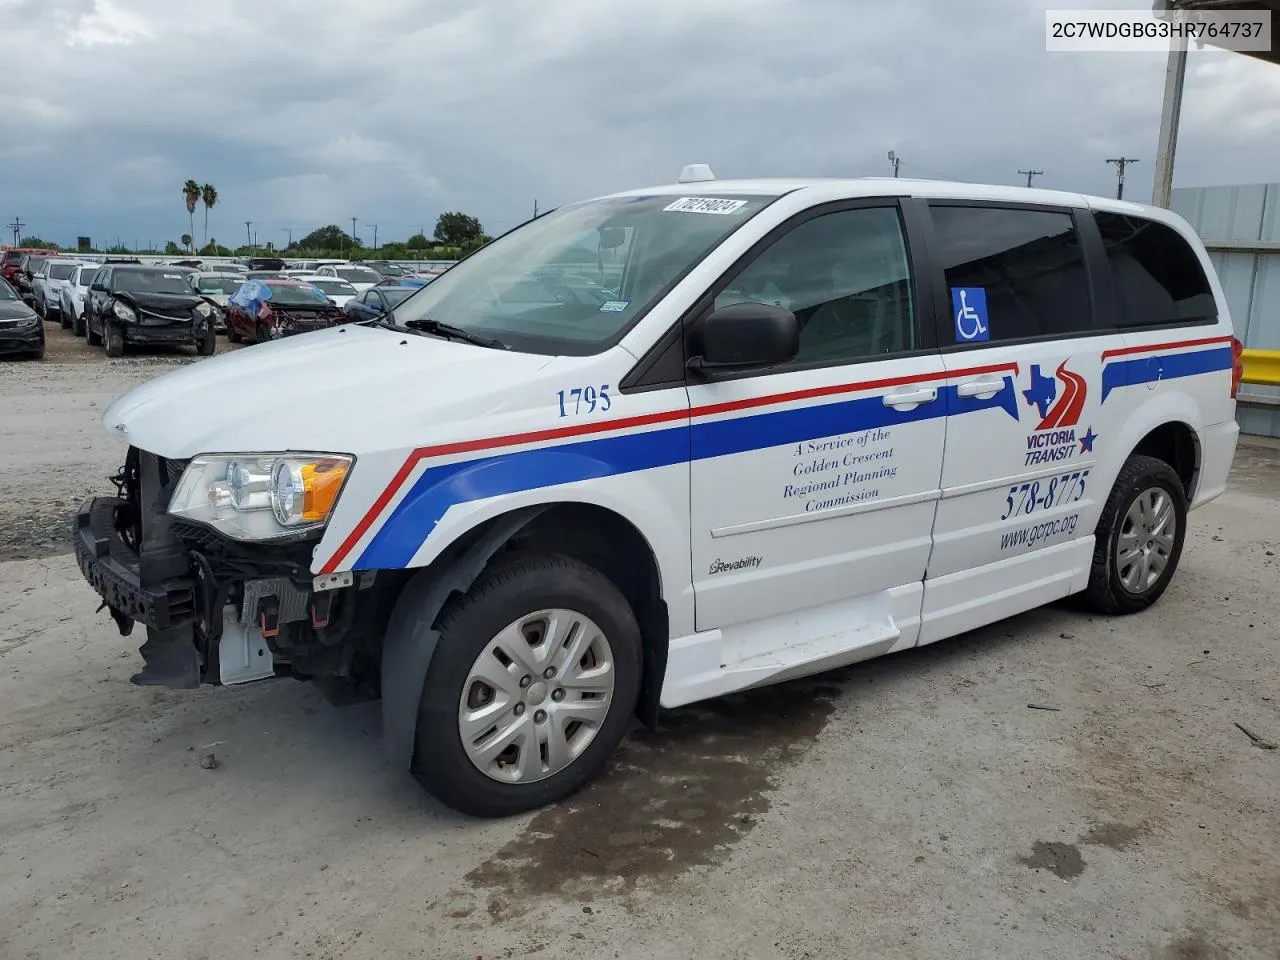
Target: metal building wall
[[1241, 227]]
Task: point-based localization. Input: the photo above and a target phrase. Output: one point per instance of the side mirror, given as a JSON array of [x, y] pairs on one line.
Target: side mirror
[[98, 286], [746, 336]]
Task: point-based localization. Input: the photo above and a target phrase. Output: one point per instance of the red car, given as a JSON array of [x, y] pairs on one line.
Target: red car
[[263, 310], [11, 259]]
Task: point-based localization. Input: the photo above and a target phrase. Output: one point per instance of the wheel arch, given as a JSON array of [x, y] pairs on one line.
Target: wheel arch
[[1164, 427], [590, 532]]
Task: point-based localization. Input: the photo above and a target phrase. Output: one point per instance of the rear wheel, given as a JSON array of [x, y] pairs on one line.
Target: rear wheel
[[115, 340], [531, 687], [1139, 538]]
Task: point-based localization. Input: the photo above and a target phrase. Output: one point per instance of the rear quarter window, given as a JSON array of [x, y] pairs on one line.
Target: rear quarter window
[[1158, 277]]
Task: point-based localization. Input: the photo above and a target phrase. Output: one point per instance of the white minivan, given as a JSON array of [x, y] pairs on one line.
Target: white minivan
[[660, 446]]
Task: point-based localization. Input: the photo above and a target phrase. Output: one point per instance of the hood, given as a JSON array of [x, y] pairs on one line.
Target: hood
[[347, 389], [15, 310], [221, 299], [160, 301]]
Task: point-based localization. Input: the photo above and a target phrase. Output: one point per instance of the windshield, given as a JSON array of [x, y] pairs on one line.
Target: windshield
[[295, 295], [6, 291], [575, 279], [216, 285], [338, 288], [358, 274], [61, 271], [150, 281]]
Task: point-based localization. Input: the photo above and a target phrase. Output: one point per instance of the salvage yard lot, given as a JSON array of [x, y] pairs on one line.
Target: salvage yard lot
[[914, 806]]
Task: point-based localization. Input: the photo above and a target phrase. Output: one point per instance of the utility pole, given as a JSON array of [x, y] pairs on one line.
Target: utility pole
[[248, 237], [1029, 174], [289, 230], [16, 227], [375, 238], [353, 234], [1121, 163], [895, 160], [535, 208]]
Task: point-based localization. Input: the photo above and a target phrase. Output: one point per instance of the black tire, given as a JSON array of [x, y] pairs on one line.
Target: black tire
[[1106, 592], [78, 326], [501, 595], [232, 336], [207, 344], [115, 340], [92, 338], [63, 319], [38, 353]]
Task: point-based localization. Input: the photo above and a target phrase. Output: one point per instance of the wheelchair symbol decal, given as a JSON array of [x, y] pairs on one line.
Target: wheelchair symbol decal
[[970, 306]]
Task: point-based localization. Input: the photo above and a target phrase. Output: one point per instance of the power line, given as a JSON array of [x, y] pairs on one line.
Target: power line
[[1029, 174], [1121, 163]]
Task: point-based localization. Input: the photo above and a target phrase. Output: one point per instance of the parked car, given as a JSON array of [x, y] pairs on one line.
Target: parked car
[[216, 288], [11, 261], [265, 275], [21, 331], [384, 267], [819, 422], [339, 291], [405, 281], [24, 277], [263, 310], [377, 301], [141, 304], [74, 291], [362, 278], [47, 286]]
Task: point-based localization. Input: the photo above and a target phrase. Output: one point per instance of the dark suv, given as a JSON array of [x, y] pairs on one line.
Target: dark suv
[[140, 304]]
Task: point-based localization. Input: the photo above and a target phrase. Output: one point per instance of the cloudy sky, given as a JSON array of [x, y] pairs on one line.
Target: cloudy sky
[[307, 112]]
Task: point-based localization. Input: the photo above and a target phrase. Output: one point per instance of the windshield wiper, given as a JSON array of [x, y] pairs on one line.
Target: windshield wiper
[[448, 330]]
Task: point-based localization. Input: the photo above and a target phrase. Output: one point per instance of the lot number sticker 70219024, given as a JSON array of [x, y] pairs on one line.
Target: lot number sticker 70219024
[[593, 399]]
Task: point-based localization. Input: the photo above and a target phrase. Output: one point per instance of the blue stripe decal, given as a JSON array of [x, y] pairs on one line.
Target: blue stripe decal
[[1172, 366]]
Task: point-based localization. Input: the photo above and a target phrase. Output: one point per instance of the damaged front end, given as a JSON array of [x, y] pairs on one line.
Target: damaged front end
[[217, 610]]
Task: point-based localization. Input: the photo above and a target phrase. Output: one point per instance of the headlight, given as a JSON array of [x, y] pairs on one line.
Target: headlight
[[124, 312], [261, 496], [204, 310]]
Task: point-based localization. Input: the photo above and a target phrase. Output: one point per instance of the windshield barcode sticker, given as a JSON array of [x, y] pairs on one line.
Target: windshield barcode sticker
[[705, 205]]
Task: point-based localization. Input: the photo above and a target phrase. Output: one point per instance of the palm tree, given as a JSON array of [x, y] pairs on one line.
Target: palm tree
[[186, 242], [191, 194], [208, 194]]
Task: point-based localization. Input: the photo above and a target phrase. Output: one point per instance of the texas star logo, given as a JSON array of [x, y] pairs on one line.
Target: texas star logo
[[1054, 438]]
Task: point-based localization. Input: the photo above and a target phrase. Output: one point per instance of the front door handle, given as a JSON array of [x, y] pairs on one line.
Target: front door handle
[[983, 387], [911, 398]]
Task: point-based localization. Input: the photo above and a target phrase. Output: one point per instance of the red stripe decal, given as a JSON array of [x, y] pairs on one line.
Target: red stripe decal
[[1151, 348], [625, 423]]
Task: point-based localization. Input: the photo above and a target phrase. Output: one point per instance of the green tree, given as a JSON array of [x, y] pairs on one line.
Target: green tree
[[328, 238], [458, 230], [209, 196], [37, 244], [171, 249], [186, 241], [214, 249], [417, 242], [191, 194]]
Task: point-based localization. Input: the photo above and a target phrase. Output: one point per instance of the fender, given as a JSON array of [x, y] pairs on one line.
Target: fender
[[410, 643], [1155, 410]]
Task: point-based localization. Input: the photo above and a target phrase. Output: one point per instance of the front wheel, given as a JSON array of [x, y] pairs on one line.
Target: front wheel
[[115, 340], [207, 343], [78, 325], [531, 687], [1139, 538], [93, 338]]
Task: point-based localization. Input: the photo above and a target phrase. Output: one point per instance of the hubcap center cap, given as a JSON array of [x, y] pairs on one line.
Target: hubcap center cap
[[536, 693]]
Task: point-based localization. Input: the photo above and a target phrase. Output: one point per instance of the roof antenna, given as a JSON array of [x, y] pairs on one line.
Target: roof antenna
[[696, 173]]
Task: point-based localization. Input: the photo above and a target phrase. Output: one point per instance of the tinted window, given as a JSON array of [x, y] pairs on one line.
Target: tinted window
[[61, 271], [1026, 265], [301, 294], [1157, 276], [6, 292], [844, 275]]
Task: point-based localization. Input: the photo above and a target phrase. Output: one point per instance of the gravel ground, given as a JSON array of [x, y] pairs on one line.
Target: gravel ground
[[55, 451], [910, 807]]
